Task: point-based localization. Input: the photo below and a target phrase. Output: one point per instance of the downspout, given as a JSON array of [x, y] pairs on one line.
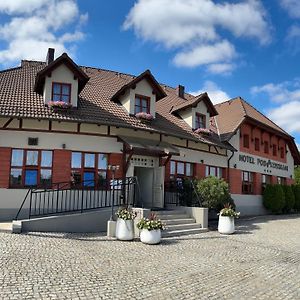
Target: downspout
[[228, 168]]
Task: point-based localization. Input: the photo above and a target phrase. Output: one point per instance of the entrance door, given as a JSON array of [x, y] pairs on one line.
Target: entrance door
[[145, 180], [158, 197]]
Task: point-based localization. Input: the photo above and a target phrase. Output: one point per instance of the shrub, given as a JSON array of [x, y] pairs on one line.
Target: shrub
[[274, 198], [289, 198], [214, 192], [296, 190]]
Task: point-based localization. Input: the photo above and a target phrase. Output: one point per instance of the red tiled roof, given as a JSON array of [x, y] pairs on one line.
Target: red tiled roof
[[18, 99]]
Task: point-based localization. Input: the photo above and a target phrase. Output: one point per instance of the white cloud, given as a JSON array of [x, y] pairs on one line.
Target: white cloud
[[287, 116], [292, 7], [215, 93], [223, 68], [285, 99], [38, 25], [281, 92], [293, 32], [206, 54], [195, 26]]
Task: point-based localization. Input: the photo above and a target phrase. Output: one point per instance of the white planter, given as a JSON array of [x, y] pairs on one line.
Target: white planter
[[124, 230], [151, 237], [226, 225]]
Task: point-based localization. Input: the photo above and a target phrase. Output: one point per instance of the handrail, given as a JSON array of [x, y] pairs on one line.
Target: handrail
[[68, 197]]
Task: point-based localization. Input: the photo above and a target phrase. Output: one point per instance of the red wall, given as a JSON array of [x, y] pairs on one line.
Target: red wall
[[61, 166], [5, 155]]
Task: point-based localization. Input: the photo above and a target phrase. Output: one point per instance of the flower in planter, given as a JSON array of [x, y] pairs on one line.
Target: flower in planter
[[125, 214], [59, 104], [227, 211], [205, 131], [144, 116], [151, 223]]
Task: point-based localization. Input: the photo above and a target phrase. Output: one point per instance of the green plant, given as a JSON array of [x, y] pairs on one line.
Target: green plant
[[228, 211], [274, 198], [214, 192], [125, 214], [289, 198], [151, 223], [296, 190]]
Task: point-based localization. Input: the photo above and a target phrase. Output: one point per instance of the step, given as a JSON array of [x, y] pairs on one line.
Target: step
[[171, 217], [168, 212], [182, 226], [6, 227], [179, 221], [174, 233]]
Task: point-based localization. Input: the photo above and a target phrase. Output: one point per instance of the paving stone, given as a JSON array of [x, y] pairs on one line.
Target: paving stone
[[260, 261]]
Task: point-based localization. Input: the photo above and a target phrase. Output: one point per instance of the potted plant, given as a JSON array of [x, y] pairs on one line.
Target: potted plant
[[205, 131], [124, 226], [59, 105], [226, 219], [150, 229], [144, 117]]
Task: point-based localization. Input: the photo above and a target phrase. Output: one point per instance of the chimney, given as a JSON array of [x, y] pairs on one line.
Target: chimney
[[180, 89], [50, 56]]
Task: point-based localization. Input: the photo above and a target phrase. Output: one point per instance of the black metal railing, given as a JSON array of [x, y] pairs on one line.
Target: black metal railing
[[182, 193], [68, 197]]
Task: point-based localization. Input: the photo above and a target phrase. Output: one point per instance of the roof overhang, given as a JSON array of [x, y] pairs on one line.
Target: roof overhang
[[137, 145], [147, 75]]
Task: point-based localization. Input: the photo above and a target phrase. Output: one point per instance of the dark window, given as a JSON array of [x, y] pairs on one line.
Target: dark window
[[61, 92], [274, 150], [265, 179], [141, 104], [213, 171], [282, 152], [31, 168], [89, 169], [247, 182], [246, 140], [180, 169], [266, 147], [256, 144], [200, 121]]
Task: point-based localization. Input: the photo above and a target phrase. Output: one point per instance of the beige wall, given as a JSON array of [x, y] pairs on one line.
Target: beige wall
[[187, 116], [64, 75]]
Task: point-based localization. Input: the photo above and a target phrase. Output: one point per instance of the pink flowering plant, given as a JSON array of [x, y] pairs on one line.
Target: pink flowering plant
[[144, 116], [59, 104], [202, 131]]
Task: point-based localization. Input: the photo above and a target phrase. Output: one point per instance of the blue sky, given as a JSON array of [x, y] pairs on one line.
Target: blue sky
[[241, 48]]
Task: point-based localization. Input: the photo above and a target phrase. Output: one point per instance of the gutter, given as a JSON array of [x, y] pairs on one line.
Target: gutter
[[228, 168]]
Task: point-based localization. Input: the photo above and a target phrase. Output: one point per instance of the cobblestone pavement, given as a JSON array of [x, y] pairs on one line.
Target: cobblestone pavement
[[261, 261]]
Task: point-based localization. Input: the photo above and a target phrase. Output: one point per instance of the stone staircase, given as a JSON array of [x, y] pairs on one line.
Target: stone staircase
[[178, 223]]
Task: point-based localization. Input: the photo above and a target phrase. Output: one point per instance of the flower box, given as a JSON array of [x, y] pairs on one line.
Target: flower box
[[144, 117], [204, 131], [59, 105]]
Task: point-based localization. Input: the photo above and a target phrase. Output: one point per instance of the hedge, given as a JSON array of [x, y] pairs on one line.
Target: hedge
[[274, 198]]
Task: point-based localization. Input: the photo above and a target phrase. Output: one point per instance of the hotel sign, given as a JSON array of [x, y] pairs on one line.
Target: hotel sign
[[262, 162]]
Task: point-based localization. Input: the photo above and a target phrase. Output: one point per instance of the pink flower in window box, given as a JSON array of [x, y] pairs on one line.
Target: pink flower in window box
[[205, 131], [144, 116], [59, 104]]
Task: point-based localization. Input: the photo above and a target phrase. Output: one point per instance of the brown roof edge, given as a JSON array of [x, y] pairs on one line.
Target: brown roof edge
[[63, 59], [160, 93], [194, 102]]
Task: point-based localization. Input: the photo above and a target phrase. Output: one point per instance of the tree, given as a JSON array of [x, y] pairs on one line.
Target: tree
[[289, 198], [296, 189], [297, 175]]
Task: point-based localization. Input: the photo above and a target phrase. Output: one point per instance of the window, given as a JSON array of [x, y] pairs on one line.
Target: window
[[61, 92], [266, 147], [200, 121], [213, 171], [282, 152], [31, 168], [180, 169], [247, 182], [89, 169], [256, 144], [265, 179], [281, 180], [274, 150], [246, 140], [141, 104]]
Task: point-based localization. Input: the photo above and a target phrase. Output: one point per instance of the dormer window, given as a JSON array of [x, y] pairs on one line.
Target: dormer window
[[61, 92], [141, 104], [200, 121]]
